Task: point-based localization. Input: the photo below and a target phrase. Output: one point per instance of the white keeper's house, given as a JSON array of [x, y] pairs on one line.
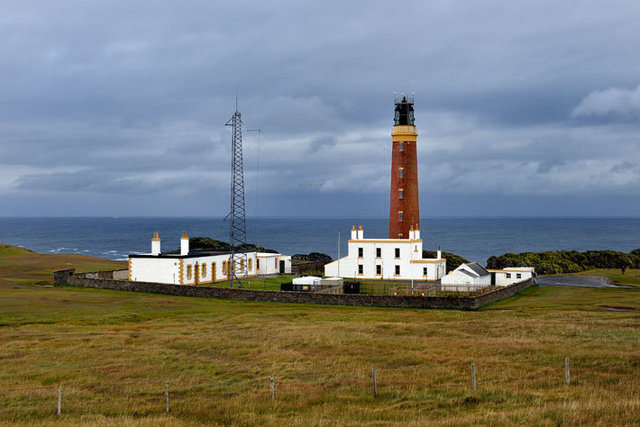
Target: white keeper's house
[[387, 259], [200, 267]]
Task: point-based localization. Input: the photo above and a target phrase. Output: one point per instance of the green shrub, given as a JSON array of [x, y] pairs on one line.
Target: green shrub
[[558, 262]]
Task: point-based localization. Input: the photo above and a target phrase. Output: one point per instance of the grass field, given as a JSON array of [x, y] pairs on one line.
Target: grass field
[[113, 352]]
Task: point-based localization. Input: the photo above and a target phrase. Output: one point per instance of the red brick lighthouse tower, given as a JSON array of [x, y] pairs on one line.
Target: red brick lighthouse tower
[[404, 211]]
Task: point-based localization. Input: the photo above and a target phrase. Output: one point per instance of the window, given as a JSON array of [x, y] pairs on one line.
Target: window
[[400, 193], [400, 146], [250, 264], [257, 263], [213, 271], [275, 262], [400, 172], [224, 267], [508, 275], [360, 269], [360, 252], [425, 271], [241, 265], [204, 270], [397, 252], [400, 215], [378, 269], [397, 270], [400, 235], [189, 272], [518, 276], [378, 252]]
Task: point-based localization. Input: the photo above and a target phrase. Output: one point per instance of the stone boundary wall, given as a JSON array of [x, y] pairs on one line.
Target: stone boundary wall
[[67, 277]]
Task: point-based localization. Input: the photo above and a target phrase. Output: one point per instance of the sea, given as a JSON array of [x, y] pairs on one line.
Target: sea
[[473, 238]]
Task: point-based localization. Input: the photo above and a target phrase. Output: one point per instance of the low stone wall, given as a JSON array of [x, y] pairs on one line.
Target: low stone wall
[[409, 301]]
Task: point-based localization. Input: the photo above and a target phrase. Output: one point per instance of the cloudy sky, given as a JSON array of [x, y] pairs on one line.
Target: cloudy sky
[[118, 107]]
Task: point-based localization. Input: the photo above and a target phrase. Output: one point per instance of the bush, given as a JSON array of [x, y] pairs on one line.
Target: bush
[[558, 262], [453, 261]]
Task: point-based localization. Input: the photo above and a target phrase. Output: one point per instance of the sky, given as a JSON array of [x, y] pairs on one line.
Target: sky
[[118, 108]]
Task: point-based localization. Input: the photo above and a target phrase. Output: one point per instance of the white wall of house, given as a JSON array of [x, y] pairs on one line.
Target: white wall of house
[[511, 275], [181, 270], [156, 269], [386, 259], [269, 263]]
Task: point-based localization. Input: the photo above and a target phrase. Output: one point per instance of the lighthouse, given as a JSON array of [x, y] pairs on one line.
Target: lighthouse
[[404, 206]]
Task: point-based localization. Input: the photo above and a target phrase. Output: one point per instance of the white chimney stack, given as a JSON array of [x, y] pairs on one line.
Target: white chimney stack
[[439, 255], [184, 244], [416, 232], [354, 233], [360, 232], [411, 233], [155, 244]]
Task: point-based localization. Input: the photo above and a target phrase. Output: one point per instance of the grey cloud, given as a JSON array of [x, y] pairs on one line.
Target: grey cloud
[[610, 102], [127, 97]]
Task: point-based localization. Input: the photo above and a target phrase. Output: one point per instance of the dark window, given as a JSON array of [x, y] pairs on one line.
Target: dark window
[[360, 269], [400, 193], [378, 269], [360, 252], [400, 173], [397, 270], [400, 146], [378, 252], [518, 276], [508, 275], [400, 216], [397, 252], [424, 271]]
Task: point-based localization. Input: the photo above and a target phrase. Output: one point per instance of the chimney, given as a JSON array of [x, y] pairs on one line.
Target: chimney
[[411, 233], [354, 233], [439, 255], [416, 232], [184, 244], [360, 232], [155, 244]]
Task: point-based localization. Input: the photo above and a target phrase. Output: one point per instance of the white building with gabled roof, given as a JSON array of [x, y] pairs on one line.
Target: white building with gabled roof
[[470, 273], [386, 259]]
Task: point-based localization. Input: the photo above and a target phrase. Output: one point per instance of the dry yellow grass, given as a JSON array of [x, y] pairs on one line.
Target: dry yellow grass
[[113, 351]]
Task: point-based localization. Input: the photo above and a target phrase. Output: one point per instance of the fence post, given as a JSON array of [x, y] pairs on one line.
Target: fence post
[[59, 411], [375, 387], [567, 374], [272, 388], [166, 397], [473, 375]]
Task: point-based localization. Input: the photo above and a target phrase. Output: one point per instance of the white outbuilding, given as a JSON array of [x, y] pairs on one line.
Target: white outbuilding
[[510, 275], [469, 274], [387, 259]]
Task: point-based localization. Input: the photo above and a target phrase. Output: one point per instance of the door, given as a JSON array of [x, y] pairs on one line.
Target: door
[[281, 267]]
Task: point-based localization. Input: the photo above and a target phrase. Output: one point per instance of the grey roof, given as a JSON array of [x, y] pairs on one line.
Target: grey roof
[[477, 268]]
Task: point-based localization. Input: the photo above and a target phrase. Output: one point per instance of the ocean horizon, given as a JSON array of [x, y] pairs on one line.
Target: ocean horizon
[[473, 238]]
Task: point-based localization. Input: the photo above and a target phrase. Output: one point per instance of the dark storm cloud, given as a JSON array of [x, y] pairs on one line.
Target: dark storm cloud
[[131, 98]]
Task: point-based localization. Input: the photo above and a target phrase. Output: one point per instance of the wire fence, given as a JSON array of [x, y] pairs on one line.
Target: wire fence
[[143, 396]]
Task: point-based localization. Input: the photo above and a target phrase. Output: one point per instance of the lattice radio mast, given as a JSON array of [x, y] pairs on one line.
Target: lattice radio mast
[[238, 236]]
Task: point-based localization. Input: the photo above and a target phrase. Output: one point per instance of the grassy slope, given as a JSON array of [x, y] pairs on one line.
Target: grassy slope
[[113, 351]]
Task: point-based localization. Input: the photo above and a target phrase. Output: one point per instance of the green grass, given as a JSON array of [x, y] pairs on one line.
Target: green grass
[[113, 351]]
